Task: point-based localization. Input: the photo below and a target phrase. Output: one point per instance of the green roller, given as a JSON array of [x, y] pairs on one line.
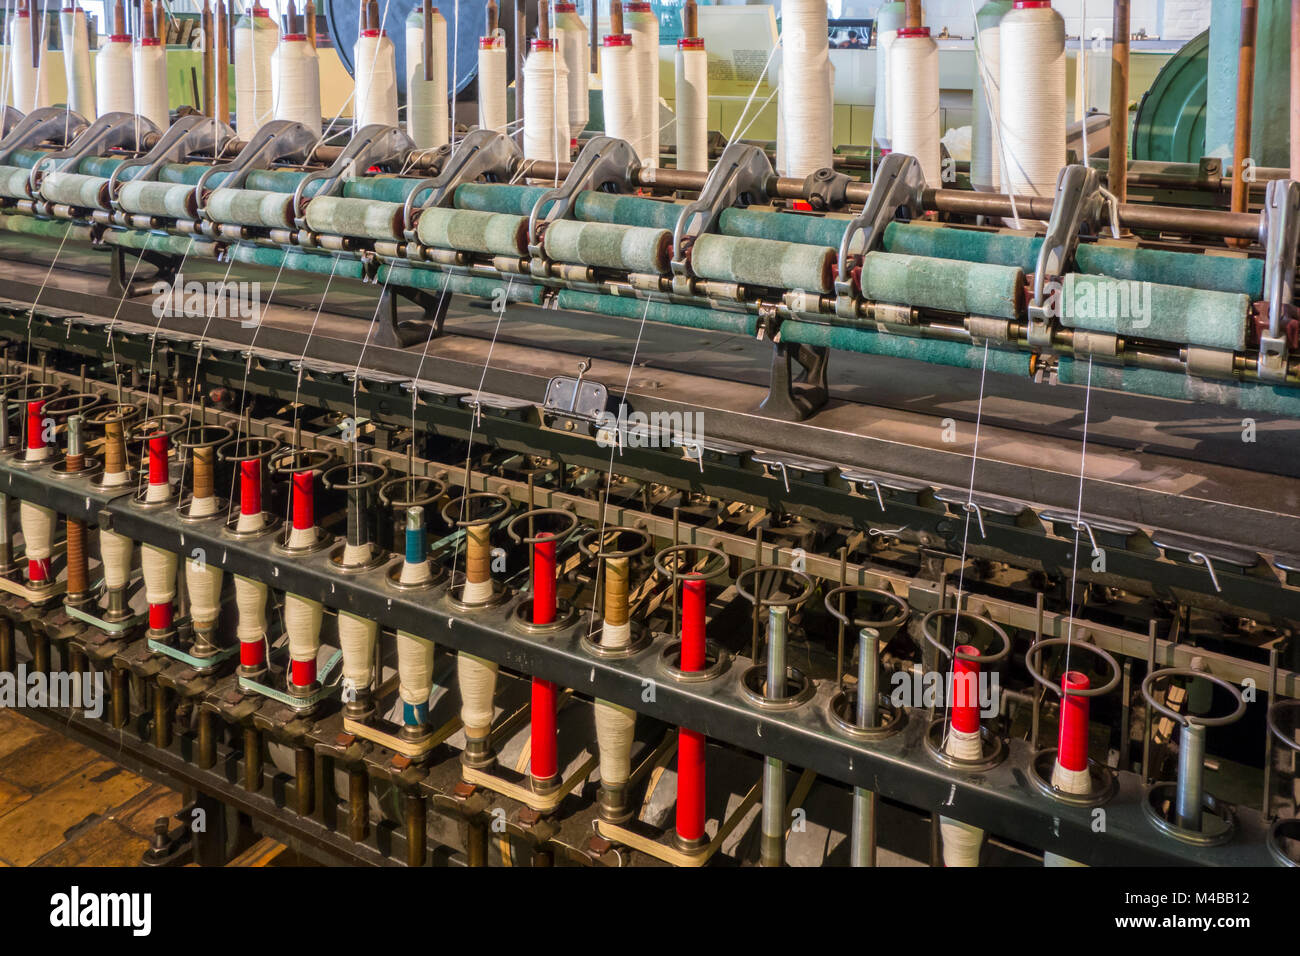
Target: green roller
[[27, 158], [337, 216], [278, 181], [152, 241], [606, 246], [432, 280], [342, 267], [811, 230], [486, 233], [498, 197], [187, 174], [1247, 396], [934, 351], [13, 182], [46, 228], [251, 207], [626, 210], [74, 189], [151, 198], [967, 288], [763, 262], [1149, 310], [654, 310], [968, 245]]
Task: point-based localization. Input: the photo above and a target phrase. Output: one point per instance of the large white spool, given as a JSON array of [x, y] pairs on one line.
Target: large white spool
[[1067, 781], [692, 104], [426, 100], [30, 84], [115, 76], [151, 81], [115, 552], [76, 61], [961, 841], [615, 728], [890, 18], [203, 587], [158, 567], [546, 104], [492, 82], [569, 29], [376, 80], [618, 94], [256, 38], [357, 637], [302, 621], [642, 25], [478, 680], [250, 602], [37, 523], [414, 668], [1032, 98], [295, 69], [914, 100], [807, 121], [985, 164]]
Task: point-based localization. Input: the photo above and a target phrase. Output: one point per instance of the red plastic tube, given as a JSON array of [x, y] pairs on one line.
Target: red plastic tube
[[304, 500], [1072, 740], [158, 447], [35, 433], [690, 743], [250, 487], [693, 643], [545, 759], [160, 616], [252, 653], [301, 673], [965, 692]]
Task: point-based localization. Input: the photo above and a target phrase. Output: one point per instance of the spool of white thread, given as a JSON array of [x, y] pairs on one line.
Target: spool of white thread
[[354, 554], [478, 681], [642, 25], [615, 728], [256, 38], [618, 94], [914, 100], [546, 104], [692, 104], [413, 573], [115, 76], [985, 165], [568, 27], [492, 82], [159, 568], [30, 84], [302, 620], [615, 636], [248, 523], [76, 61], [295, 69], [250, 602], [37, 523], [961, 841], [376, 80], [357, 637], [806, 92], [426, 100], [115, 551], [203, 586], [1032, 98], [1069, 781], [414, 668], [890, 18]]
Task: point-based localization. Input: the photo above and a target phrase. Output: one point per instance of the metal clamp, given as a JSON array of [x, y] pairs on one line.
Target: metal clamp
[[483, 154], [190, 134], [898, 186], [47, 123], [741, 176], [1281, 239], [279, 141], [110, 131], [373, 145], [603, 163]]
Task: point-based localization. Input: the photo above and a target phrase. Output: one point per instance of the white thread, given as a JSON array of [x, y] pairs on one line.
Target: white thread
[[692, 108], [805, 77], [914, 103], [357, 640], [478, 679], [492, 83], [569, 29], [203, 507], [414, 572], [615, 727], [76, 62], [375, 99], [248, 523], [30, 85], [476, 592], [414, 668], [426, 100], [159, 568], [302, 537], [961, 841], [889, 18], [1071, 781], [38, 453], [356, 554], [295, 69], [250, 602], [255, 41], [643, 26], [159, 492], [115, 552], [1032, 100], [615, 635], [618, 94], [37, 523], [302, 620], [115, 78], [203, 585], [985, 166], [546, 107]]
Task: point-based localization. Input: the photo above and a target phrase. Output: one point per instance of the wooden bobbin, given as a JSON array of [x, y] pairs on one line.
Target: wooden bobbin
[[616, 590]]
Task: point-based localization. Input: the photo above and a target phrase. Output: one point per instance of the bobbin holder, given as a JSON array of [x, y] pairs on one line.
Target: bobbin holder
[[483, 155], [108, 132], [42, 125], [279, 141], [898, 185], [188, 135], [605, 163], [712, 564], [740, 177], [374, 145], [771, 579]]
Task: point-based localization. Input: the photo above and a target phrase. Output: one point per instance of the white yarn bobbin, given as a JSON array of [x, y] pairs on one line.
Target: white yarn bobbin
[[692, 104], [615, 729], [159, 568], [115, 552], [414, 668], [256, 38], [618, 94], [985, 165], [806, 93], [295, 71], [204, 507], [961, 841], [914, 100], [250, 602], [1032, 98], [478, 681], [30, 83], [1069, 781], [492, 112], [569, 29], [302, 621], [375, 100], [414, 572], [203, 586], [890, 18], [115, 76], [37, 523], [546, 104], [77, 74], [426, 100], [642, 24], [357, 636]]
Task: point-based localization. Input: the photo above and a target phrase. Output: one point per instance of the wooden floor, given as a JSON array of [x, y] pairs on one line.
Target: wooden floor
[[62, 804]]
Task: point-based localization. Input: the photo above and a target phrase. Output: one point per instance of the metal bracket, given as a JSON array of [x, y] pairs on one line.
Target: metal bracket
[[374, 145], [110, 131], [483, 154], [603, 162], [576, 398], [1281, 239], [1079, 202], [826, 189], [898, 185], [189, 134], [279, 141], [48, 123], [741, 176]]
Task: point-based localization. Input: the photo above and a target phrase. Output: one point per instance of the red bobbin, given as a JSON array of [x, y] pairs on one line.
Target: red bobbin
[[1072, 739], [545, 759], [965, 692]]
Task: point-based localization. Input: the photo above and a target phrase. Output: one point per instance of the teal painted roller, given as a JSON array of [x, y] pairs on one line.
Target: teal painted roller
[[188, 174], [497, 197], [27, 158], [251, 207], [13, 182], [152, 241], [627, 210], [966, 288], [337, 216], [151, 198], [432, 280], [968, 245], [47, 228], [763, 262], [813, 230], [340, 266], [486, 233], [607, 246], [1150, 310], [654, 310], [1247, 396], [934, 351], [74, 189]]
